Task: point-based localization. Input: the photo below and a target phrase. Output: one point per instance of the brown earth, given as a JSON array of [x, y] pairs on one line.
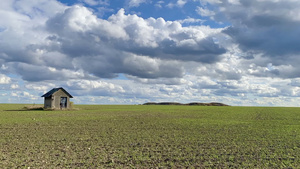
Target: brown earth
[[188, 104]]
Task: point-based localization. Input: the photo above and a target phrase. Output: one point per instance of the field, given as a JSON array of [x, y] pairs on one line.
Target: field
[[137, 136]]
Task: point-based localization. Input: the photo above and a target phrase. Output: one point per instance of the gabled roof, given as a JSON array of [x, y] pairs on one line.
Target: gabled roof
[[51, 92]]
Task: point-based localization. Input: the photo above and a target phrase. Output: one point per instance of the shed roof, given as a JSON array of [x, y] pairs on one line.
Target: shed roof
[[51, 92]]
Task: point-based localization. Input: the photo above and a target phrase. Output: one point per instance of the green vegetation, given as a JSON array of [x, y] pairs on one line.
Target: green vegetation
[[141, 136]]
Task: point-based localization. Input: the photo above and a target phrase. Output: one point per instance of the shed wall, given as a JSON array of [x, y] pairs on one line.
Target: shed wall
[[56, 101], [48, 102]]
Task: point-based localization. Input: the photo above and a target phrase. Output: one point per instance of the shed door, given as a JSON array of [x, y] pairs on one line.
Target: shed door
[[63, 102]]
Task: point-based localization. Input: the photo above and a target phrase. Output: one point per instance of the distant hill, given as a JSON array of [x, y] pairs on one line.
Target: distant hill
[[187, 104]]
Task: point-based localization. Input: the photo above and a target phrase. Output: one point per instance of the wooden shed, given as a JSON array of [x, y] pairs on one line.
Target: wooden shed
[[57, 98]]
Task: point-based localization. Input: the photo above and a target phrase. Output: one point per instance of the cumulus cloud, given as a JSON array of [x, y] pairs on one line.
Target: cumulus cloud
[[191, 20], [94, 88], [14, 86], [72, 42], [135, 3], [123, 43], [91, 2], [28, 72], [23, 95], [179, 3], [70, 46], [205, 12], [40, 86], [265, 31], [159, 4], [169, 40], [4, 79]]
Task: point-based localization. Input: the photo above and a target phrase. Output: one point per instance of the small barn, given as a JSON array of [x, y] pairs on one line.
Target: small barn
[[57, 98]]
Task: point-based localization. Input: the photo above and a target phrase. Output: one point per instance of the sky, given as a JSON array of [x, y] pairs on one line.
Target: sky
[[238, 52]]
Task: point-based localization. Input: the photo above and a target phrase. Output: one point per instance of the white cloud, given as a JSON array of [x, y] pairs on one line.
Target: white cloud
[[159, 4], [205, 12], [179, 4], [4, 79], [111, 44], [14, 86], [36, 9], [94, 88], [23, 95], [39, 87], [136, 3], [91, 2], [254, 61], [191, 20], [214, 2], [236, 2], [14, 94]]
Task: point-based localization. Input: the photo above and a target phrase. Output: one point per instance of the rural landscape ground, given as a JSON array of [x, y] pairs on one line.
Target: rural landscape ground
[[150, 136]]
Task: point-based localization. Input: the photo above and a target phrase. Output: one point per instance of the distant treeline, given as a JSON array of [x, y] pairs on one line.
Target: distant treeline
[[187, 104]]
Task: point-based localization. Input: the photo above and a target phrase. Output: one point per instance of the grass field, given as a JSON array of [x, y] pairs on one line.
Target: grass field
[[136, 136]]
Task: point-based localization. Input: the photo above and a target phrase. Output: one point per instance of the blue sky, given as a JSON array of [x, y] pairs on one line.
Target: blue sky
[[133, 51]]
